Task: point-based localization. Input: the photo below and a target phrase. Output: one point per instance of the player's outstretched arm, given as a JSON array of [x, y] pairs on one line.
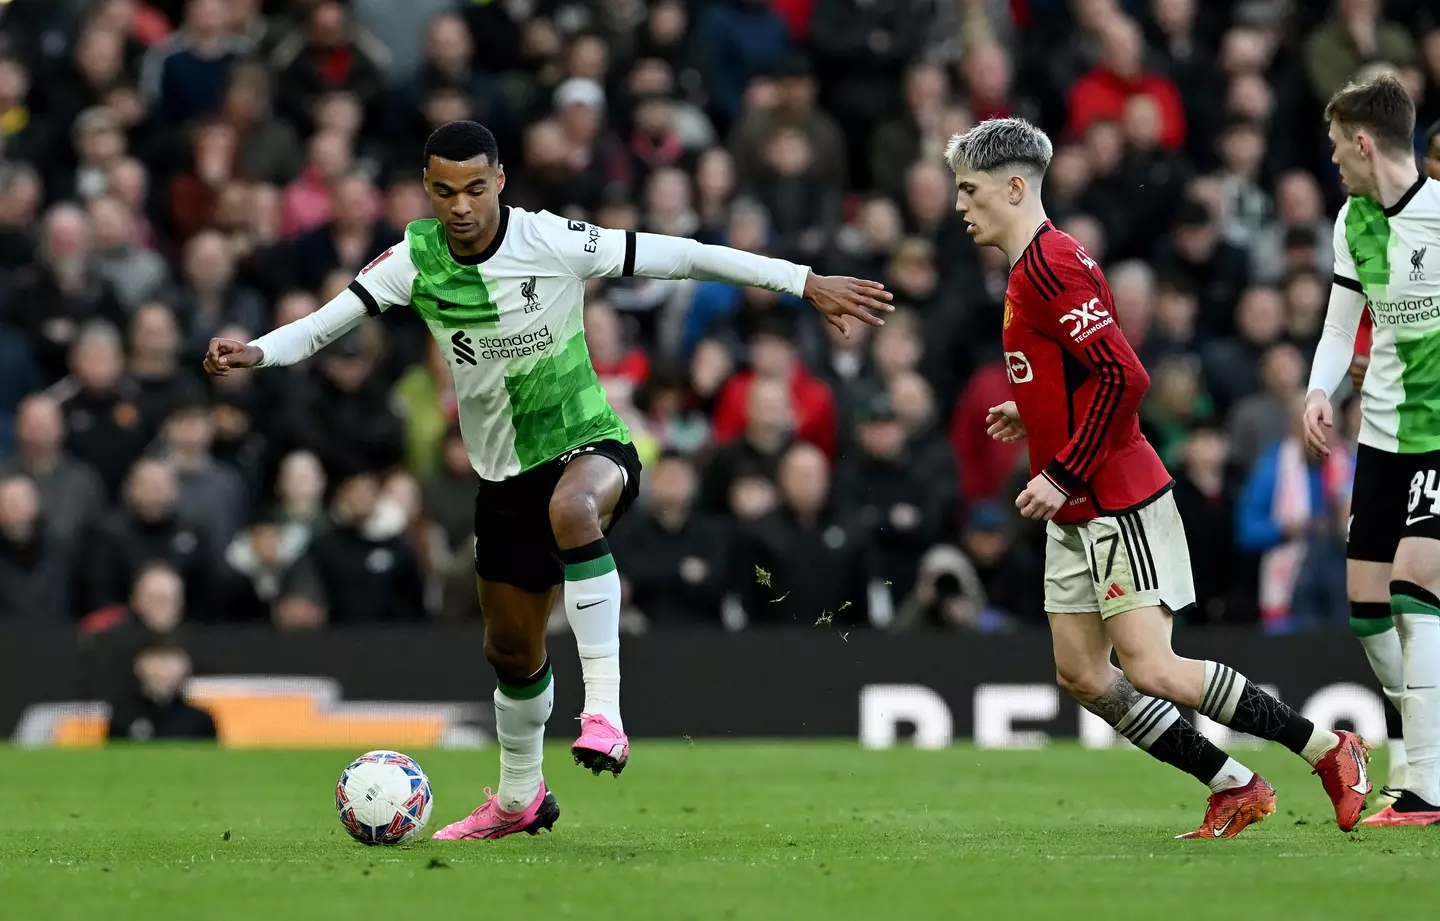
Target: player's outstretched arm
[[291, 343], [596, 252], [835, 296]]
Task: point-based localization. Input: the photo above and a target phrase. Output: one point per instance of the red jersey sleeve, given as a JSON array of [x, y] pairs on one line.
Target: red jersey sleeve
[[1080, 318]]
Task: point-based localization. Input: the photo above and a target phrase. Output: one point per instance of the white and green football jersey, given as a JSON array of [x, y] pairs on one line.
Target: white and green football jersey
[[1392, 257], [509, 322]]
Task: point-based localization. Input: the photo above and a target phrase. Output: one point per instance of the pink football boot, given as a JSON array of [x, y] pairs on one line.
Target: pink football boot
[[601, 747], [489, 821]]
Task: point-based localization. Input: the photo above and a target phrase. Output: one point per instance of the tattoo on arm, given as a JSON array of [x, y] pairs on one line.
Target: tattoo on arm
[[1114, 702]]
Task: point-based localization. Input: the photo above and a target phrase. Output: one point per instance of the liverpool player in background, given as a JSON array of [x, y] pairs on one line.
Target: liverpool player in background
[[1116, 563]]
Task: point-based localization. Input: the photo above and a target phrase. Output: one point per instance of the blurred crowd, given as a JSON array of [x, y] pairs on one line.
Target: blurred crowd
[[173, 170]]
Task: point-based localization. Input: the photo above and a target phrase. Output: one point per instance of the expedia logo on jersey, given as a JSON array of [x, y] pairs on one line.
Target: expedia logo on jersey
[[1407, 310], [519, 345], [1017, 368]]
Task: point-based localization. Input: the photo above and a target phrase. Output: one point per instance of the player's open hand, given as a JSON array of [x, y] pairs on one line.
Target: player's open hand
[[839, 296], [1004, 423], [1041, 499], [225, 355], [1317, 419]]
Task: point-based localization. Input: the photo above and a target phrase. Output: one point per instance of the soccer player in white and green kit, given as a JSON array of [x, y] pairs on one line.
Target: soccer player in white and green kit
[[1387, 254], [502, 291]]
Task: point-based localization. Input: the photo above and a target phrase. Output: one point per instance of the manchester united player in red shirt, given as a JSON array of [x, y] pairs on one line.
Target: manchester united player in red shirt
[[1116, 563]]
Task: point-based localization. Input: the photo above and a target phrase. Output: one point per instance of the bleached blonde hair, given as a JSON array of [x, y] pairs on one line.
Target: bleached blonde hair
[[999, 142]]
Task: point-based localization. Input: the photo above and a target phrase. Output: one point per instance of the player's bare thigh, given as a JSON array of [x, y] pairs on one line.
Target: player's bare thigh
[[1082, 654], [1367, 581], [1417, 560], [1142, 639], [515, 625], [584, 500]]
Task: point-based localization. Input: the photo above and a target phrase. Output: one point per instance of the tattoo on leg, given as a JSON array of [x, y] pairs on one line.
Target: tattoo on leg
[[1115, 701]]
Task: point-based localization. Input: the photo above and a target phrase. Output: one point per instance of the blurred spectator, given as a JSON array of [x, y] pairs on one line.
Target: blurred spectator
[[804, 210], [352, 237], [155, 379], [256, 567], [1122, 74], [330, 53], [35, 561], [355, 570], [773, 357], [307, 199], [677, 565], [210, 296], [161, 712], [769, 426], [820, 568], [184, 76], [21, 193], [1355, 33], [51, 299], [106, 431], [1255, 419], [194, 194], [134, 273], [794, 107], [1283, 502], [1218, 271], [269, 149], [210, 494], [987, 585], [71, 494], [1232, 366], [1205, 496], [735, 41], [148, 528], [19, 377], [884, 486], [345, 419]]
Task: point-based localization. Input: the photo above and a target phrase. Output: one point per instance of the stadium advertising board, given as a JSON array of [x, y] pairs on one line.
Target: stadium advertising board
[[418, 688]]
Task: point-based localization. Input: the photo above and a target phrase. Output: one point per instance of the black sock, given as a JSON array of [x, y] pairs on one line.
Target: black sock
[[1157, 727], [1229, 698]]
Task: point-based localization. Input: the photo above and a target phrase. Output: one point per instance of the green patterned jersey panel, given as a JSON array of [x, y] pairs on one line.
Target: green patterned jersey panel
[[444, 291], [558, 404], [1367, 230]]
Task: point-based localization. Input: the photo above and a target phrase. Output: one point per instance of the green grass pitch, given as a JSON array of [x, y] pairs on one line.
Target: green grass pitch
[[710, 830]]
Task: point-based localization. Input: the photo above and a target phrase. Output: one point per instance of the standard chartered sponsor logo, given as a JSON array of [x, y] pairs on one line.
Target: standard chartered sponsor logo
[[1404, 311], [516, 346]]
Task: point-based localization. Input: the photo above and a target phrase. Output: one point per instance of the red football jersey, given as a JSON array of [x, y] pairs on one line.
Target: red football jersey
[[1076, 381]]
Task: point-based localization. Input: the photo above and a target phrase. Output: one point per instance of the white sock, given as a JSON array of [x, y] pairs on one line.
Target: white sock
[[1420, 712], [592, 605], [520, 716], [1233, 775], [1382, 648]]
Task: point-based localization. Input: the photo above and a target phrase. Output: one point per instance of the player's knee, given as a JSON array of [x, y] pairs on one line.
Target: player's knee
[[1083, 683], [513, 657], [1155, 676], [575, 518]]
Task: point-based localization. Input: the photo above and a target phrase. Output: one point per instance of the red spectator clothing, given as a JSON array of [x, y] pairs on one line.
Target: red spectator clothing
[[811, 400], [306, 204], [1101, 94], [633, 367], [1077, 382], [983, 462], [797, 15]]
